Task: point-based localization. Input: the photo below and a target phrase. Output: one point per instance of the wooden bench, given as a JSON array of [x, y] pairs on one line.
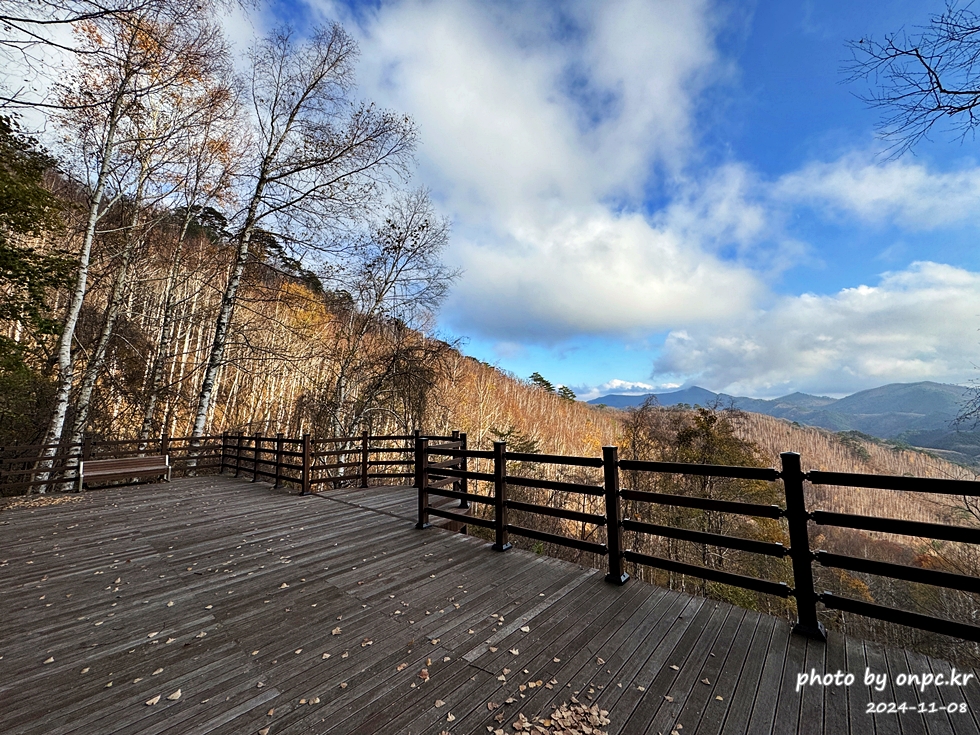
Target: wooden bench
[[119, 469]]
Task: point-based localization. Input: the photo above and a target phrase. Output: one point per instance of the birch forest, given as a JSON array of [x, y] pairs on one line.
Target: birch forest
[[203, 249]]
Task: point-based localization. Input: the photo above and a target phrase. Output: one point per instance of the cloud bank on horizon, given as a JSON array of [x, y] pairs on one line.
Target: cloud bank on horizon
[[566, 141]]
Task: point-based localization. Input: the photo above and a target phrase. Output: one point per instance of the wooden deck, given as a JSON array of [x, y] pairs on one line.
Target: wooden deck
[[250, 602]]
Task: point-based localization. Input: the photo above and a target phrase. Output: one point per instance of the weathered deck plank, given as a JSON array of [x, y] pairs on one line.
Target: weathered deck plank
[[122, 582]]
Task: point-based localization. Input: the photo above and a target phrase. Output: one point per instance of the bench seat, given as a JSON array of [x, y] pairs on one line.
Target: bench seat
[[119, 469]]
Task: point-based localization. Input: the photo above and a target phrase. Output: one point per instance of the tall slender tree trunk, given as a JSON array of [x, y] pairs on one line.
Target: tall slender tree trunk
[[83, 402], [167, 334], [65, 363]]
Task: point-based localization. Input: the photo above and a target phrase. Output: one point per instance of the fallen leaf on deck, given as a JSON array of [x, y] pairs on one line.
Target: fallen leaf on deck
[[720, 699], [439, 703], [705, 681], [158, 671], [170, 604], [491, 706], [298, 651], [345, 654], [201, 634], [493, 649], [315, 700], [424, 674], [271, 712], [49, 660], [600, 661], [153, 700], [85, 670], [514, 651], [675, 668], [171, 640], [264, 731], [526, 628], [450, 717], [175, 696], [401, 667], [335, 631], [434, 641], [283, 586], [108, 685], [325, 656], [343, 685]]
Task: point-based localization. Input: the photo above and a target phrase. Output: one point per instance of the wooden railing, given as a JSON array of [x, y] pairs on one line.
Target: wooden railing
[[436, 475], [303, 462]]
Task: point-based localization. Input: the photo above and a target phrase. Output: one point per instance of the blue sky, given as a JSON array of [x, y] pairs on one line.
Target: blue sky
[[649, 195]]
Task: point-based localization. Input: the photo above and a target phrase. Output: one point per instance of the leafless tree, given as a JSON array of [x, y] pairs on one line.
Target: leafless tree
[[923, 80], [320, 162]]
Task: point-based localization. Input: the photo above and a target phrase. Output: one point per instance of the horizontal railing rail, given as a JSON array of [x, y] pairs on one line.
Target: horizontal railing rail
[[434, 475]]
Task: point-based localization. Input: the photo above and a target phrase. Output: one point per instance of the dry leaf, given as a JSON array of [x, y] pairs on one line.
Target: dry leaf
[[335, 631], [514, 651], [668, 698], [264, 731], [434, 641], [401, 667], [450, 717], [675, 668], [343, 685], [315, 700], [345, 654], [108, 685], [48, 660], [283, 586], [208, 607], [493, 649], [201, 634], [424, 674], [556, 660], [170, 640], [271, 712], [170, 604], [720, 699], [175, 696], [491, 706], [526, 628], [158, 671], [303, 700], [85, 670], [366, 642], [439, 703], [705, 681], [325, 656], [505, 672], [600, 661], [153, 700]]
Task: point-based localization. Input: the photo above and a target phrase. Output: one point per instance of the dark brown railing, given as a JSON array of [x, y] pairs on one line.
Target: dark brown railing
[[436, 477], [303, 462]]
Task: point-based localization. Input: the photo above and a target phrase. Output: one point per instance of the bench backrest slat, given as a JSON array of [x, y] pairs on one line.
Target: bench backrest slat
[[126, 463]]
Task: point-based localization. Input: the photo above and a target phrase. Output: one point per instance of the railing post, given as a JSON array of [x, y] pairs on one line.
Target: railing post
[[799, 540], [501, 541], [614, 516], [224, 450], [464, 485], [278, 460], [165, 443], [256, 450], [86, 449], [238, 454], [422, 479], [365, 440], [307, 464]]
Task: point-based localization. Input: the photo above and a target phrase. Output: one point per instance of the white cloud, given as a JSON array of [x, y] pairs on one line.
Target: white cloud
[[541, 126], [916, 324], [902, 191]]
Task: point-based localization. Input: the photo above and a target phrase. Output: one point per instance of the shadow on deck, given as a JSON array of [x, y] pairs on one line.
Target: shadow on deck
[[320, 614]]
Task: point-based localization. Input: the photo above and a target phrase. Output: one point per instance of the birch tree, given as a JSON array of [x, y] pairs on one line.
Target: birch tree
[[152, 54], [320, 161]]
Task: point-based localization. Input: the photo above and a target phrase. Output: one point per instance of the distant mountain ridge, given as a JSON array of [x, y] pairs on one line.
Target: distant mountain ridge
[[919, 414]]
